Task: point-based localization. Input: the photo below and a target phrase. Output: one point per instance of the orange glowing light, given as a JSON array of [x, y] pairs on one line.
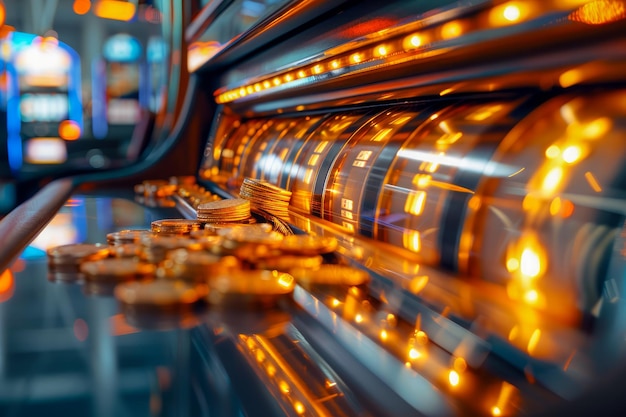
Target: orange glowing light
[[552, 152], [599, 12], [511, 13], [81, 6], [276, 81], [2, 13], [530, 263], [418, 283], [552, 179], [415, 202], [383, 335], [271, 370], [69, 130], [531, 296], [593, 182], [358, 318], [356, 58], [414, 354], [412, 240], [115, 10], [7, 284], [534, 341], [413, 41], [572, 154], [512, 264], [453, 378], [381, 50], [299, 407], [335, 64], [495, 411], [460, 365], [451, 30], [597, 128], [284, 387]]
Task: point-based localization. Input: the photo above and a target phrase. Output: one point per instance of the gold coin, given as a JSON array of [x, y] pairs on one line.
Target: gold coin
[[224, 205], [250, 288], [117, 269], [196, 265], [244, 235], [127, 250], [128, 236], [72, 255], [307, 244], [159, 293], [330, 274], [175, 226]]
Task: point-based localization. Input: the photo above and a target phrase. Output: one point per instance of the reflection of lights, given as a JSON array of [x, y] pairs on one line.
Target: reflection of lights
[[266, 84], [512, 264], [6, 285], [415, 202], [356, 58], [552, 152], [531, 296], [412, 240], [599, 12], [422, 180], [317, 69], [571, 77], [421, 337], [460, 365], [533, 341], [503, 398], [572, 154], [593, 182], [530, 263], [597, 128], [276, 81], [284, 387], [383, 335], [552, 179], [335, 64], [301, 74], [414, 354], [358, 318], [417, 284], [335, 302], [454, 378], [299, 407]]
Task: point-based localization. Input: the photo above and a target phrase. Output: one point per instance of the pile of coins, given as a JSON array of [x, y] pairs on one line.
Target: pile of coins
[[266, 196], [225, 257]]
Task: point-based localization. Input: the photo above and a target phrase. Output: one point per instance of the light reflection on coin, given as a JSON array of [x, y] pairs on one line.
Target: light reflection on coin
[[117, 269], [330, 274], [250, 288], [307, 244]]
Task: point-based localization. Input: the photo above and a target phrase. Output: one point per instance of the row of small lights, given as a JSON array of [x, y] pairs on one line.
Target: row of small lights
[[410, 43], [505, 14], [502, 15]]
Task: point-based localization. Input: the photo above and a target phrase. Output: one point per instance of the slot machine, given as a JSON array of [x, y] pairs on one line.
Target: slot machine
[[408, 208]]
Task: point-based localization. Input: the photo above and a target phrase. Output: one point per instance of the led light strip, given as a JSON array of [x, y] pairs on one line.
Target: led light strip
[[413, 42]]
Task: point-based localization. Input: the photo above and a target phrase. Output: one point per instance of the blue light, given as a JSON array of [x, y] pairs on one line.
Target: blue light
[[122, 48]]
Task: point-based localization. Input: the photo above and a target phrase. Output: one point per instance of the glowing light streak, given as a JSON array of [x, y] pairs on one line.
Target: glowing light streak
[[593, 182]]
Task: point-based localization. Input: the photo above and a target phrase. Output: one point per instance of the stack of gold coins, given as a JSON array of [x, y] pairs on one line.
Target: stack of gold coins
[[224, 211], [114, 270], [266, 196], [69, 258], [175, 226], [128, 236]]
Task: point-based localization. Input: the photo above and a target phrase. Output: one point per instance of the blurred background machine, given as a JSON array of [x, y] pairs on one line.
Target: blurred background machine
[[469, 156]]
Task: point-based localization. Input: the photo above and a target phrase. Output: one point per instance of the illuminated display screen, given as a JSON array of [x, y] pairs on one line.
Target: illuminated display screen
[[43, 107]]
